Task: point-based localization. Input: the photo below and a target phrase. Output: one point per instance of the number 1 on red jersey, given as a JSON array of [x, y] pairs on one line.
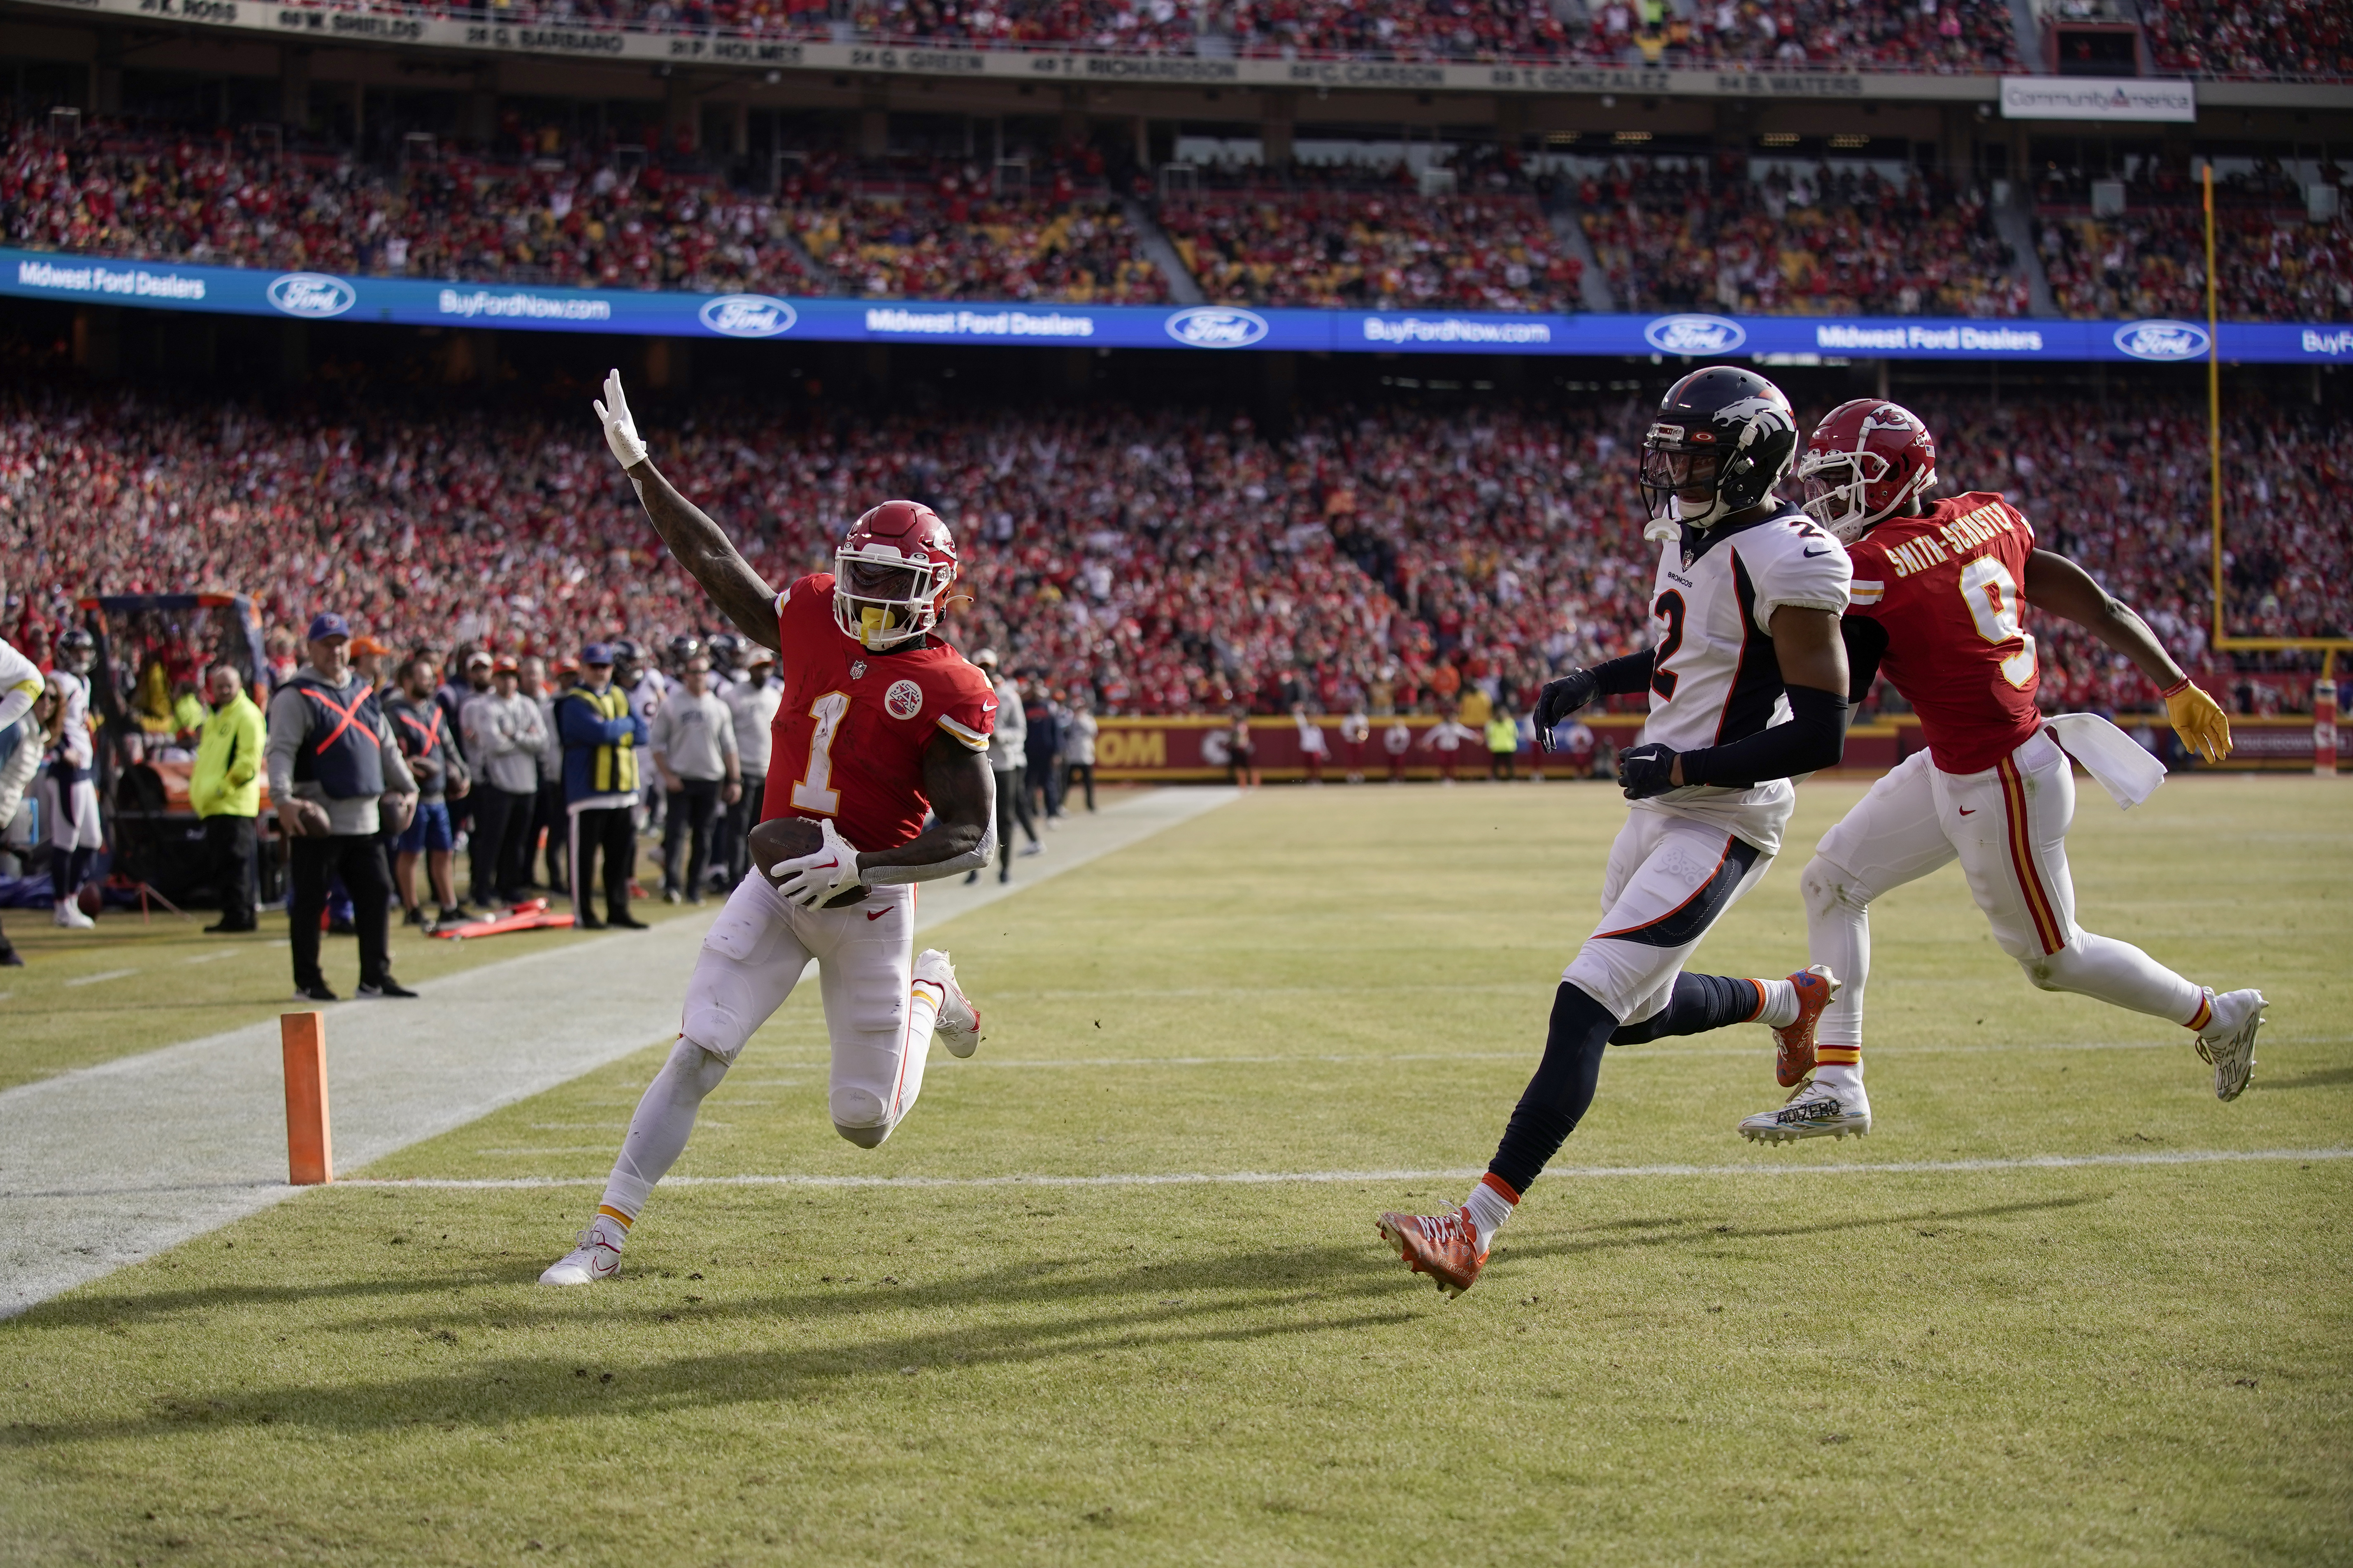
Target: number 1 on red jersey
[[811, 793]]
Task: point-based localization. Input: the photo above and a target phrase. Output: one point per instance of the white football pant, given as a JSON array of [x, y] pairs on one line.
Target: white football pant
[[878, 1019], [2007, 827], [1669, 878]]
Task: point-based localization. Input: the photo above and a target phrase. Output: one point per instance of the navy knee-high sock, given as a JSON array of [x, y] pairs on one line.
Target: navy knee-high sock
[[1699, 1002], [1560, 1092], [68, 871]]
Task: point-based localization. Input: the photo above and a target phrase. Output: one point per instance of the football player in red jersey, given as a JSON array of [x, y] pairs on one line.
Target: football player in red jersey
[[1938, 590], [881, 723]]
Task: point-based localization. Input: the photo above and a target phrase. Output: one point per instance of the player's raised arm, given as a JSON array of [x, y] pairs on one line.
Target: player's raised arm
[[696, 541], [2057, 584]]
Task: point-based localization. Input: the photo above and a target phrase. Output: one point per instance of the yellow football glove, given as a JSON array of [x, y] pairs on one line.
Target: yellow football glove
[[2199, 720]]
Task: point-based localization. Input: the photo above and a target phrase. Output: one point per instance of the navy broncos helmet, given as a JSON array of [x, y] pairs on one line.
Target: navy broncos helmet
[[1723, 438]]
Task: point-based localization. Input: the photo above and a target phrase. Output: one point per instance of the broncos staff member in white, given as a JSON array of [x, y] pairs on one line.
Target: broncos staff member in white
[[1747, 680]]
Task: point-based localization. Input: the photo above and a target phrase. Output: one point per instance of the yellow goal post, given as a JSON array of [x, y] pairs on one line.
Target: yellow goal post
[[2221, 639]]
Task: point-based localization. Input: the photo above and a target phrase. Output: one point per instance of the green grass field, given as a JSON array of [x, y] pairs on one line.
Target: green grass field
[[1792, 1357], [133, 984]]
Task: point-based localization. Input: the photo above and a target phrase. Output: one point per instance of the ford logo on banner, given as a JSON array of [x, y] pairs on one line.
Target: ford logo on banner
[[1216, 327], [748, 316], [313, 294], [2162, 340], [1694, 334]]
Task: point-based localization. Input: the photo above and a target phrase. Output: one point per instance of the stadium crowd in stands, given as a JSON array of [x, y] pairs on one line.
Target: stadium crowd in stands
[[1162, 562], [1668, 232], [2280, 38], [590, 223], [1681, 232], [950, 236], [1944, 36], [2292, 38], [2272, 260], [1386, 250]]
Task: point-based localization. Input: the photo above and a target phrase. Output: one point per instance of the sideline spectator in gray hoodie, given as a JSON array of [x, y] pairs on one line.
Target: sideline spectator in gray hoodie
[[422, 726], [754, 701], [693, 745], [1008, 755], [549, 816], [504, 736]]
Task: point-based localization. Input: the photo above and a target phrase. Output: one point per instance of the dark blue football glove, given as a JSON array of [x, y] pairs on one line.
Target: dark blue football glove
[[1560, 699], [1646, 771]]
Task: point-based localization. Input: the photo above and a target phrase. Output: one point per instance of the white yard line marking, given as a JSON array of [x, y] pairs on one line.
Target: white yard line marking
[[209, 957], [1622, 1054], [104, 1166], [102, 975], [1272, 1178]]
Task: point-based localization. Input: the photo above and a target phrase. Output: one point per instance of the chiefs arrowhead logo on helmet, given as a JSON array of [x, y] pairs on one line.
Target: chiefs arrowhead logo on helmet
[[892, 574], [1868, 460]]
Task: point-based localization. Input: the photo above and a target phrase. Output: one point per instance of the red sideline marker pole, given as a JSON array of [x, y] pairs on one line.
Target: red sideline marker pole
[[309, 1155]]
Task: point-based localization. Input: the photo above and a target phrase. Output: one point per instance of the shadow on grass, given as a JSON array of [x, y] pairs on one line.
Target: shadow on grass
[[1735, 1231], [1240, 1279], [2328, 1078], [479, 1392], [1065, 1307]]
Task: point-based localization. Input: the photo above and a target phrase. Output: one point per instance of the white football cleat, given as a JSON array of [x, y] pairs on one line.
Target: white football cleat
[[2228, 1040], [595, 1259], [70, 916], [958, 1027], [1814, 1109]]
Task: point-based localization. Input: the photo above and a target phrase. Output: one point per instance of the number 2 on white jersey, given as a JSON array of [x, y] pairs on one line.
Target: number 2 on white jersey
[[1991, 595], [811, 793]]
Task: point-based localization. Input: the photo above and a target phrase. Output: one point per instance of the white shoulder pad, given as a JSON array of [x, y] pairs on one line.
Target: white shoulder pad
[[1792, 562]]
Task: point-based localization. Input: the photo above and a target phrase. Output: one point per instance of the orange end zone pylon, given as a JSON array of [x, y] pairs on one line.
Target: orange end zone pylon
[[309, 1155]]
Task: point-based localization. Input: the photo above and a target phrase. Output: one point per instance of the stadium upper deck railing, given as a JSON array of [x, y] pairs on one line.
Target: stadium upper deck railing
[[529, 31]]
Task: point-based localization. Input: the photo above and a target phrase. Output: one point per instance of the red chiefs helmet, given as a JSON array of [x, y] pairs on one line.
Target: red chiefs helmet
[[891, 574], [1868, 460]]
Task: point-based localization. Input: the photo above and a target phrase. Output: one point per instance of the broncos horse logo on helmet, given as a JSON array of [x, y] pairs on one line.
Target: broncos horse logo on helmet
[[1723, 438]]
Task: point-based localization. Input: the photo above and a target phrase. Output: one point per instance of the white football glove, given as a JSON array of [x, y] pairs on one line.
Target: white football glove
[[829, 871], [620, 430]]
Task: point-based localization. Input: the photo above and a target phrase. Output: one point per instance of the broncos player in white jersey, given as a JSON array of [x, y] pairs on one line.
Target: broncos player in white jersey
[[1747, 683]]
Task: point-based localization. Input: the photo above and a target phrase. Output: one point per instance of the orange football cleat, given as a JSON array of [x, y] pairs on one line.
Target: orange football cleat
[[1817, 988], [1445, 1246]]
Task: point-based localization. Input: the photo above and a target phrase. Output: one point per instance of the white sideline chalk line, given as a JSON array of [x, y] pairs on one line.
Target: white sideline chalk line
[[1270, 1178], [103, 1166]]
